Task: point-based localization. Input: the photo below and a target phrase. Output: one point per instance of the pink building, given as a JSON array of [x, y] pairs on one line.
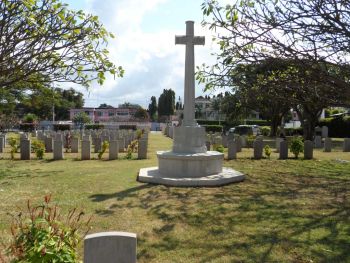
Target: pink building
[[106, 114]]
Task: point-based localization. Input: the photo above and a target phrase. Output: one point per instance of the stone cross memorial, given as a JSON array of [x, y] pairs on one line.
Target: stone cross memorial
[[189, 163]]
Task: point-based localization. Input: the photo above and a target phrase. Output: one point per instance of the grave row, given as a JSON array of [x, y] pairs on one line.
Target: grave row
[[55, 142]]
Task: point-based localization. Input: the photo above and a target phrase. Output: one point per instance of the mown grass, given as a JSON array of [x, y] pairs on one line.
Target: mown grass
[[285, 211]]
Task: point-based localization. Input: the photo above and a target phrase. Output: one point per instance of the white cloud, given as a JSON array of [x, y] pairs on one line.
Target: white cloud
[[151, 60]]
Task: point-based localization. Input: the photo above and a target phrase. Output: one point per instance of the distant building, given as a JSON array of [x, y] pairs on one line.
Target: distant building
[[107, 114], [205, 111]]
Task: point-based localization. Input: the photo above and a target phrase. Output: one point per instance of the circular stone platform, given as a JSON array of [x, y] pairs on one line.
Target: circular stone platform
[[227, 176]]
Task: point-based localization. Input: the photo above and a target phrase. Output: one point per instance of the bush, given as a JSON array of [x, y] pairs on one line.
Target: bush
[[218, 147], [94, 126], [41, 234], [337, 127], [104, 148], [131, 148], [265, 130], [14, 147], [213, 128], [250, 141], [297, 146], [38, 147], [257, 122], [267, 151], [209, 122]]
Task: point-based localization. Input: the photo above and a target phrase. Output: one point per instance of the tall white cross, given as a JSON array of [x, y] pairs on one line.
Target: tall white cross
[[189, 40]]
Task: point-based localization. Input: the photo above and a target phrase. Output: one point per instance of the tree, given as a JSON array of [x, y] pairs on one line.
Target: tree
[[44, 37], [305, 37], [141, 114], [42, 99], [153, 108], [166, 103], [105, 105], [80, 119]]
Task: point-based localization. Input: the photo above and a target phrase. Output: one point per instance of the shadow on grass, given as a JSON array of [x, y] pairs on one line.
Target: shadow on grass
[[285, 215]]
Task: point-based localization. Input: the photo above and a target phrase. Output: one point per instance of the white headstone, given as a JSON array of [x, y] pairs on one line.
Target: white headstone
[[283, 150], [327, 144], [110, 247], [232, 150]]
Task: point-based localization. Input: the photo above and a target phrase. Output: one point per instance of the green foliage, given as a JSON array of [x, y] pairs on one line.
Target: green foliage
[[81, 118], [38, 147], [132, 147], [72, 44], [30, 118], [297, 146], [265, 130], [218, 147], [42, 234], [267, 151], [141, 114], [153, 108], [139, 134], [250, 140], [104, 148], [213, 128], [337, 127], [14, 147], [166, 103], [127, 127], [94, 126]]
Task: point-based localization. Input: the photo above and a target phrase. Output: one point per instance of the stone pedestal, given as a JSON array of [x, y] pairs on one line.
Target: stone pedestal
[[25, 149], [189, 139], [283, 150], [308, 150], [327, 144]]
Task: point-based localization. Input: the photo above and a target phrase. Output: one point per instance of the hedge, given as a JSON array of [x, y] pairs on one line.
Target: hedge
[[213, 128], [337, 127], [94, 126], [27, 127], [61, 127], [128, 127]]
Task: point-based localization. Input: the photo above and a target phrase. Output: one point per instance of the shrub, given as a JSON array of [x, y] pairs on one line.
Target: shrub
[[139, 134], [42, 234], [104, 148], [94, 126], [127, 127], [38, 147], [218, 147], [293, 131], [61, 127], [14, 147], [30, 118], [250, 141], [131, 148], [297, 146], [265, 130], [267, 151], [27, 127]]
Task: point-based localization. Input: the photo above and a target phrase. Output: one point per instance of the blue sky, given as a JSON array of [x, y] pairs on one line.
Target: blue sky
[[145, 47]]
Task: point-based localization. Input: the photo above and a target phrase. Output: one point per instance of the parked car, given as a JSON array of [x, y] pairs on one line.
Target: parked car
[[245, 130]]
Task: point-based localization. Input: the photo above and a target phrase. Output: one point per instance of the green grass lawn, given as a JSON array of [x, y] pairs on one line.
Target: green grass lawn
[[285, 211]]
